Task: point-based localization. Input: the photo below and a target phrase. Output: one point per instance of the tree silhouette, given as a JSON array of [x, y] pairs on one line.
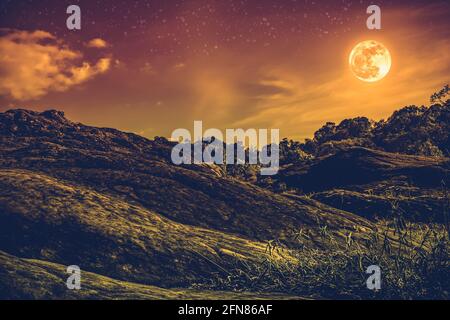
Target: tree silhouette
[[439, 97]]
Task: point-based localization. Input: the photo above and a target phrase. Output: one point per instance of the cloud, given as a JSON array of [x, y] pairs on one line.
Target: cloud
[[97, 43], [33, 63], [268, 89]]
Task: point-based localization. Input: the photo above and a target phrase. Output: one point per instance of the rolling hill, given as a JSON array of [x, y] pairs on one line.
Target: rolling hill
[[141, 227]]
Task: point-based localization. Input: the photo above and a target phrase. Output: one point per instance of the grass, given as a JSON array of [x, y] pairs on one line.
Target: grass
[[414, 262], [41, 280]]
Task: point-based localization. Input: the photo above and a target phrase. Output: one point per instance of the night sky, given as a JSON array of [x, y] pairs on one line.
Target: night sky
[[153, 66]]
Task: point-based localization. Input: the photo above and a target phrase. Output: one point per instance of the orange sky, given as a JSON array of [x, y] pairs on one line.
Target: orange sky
[[287, 69]]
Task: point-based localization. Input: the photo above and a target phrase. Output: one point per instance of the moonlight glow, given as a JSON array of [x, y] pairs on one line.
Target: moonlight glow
[[370, 61]]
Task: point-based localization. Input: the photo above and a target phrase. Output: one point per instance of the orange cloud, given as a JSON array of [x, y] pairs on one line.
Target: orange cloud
[[34, 63], [97, 43]]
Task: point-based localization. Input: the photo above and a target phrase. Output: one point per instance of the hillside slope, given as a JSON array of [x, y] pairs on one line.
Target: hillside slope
[[138, 170], [41, 280], [374, 183], [114, 204], [43, 218]]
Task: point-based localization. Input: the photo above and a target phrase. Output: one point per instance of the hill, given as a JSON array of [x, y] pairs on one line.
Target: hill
[[114, 204], [140, 227]]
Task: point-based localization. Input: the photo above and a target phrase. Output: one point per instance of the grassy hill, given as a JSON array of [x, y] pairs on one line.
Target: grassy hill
[[141, 227]]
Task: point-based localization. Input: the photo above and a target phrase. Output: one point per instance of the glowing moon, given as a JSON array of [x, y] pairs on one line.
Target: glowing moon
[[370, 61]]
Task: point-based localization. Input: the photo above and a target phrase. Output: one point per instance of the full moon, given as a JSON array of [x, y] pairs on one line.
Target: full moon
[[370, 61]]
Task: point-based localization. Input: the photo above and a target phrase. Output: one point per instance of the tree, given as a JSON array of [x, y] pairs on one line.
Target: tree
[[439, 97]]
